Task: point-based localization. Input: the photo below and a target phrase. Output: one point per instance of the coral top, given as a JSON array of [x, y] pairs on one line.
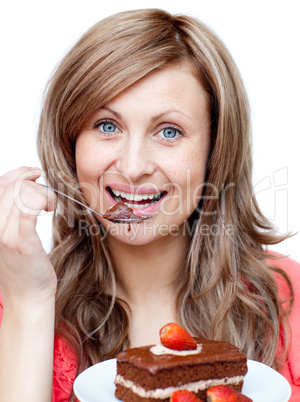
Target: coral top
[[65, 365]]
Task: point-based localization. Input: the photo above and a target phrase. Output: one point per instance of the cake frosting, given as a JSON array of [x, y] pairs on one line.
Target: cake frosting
[[146, 376], [160, 349]]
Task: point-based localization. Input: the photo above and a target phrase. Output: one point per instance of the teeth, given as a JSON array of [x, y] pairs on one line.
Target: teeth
[[139, 197], [136, 197], [139, 207]]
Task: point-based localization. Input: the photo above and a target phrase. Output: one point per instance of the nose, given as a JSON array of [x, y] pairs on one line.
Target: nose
[[136, 159]]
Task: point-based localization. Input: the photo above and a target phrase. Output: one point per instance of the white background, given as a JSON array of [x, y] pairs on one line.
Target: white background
[[262, 35]]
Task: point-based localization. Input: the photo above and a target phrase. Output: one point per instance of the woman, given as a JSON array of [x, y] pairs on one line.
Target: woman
[[148, 108]]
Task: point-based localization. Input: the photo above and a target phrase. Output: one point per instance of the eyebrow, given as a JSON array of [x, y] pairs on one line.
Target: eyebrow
[[154, 118], [112, 111]]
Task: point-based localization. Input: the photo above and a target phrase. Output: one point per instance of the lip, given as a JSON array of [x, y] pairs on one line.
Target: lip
[[151, 209], [137, 190]]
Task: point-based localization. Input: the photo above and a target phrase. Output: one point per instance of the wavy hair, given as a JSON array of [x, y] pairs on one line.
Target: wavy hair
[[228, 292]]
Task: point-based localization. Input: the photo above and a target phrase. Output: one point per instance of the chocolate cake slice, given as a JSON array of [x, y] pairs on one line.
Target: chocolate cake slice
[[143, 376]]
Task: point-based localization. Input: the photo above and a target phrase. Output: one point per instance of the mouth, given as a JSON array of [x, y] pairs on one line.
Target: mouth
[[136, 201]]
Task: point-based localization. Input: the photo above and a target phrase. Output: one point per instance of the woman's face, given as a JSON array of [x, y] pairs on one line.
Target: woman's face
[[148, 147]]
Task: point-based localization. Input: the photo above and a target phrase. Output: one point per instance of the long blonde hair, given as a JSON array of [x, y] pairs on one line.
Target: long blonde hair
[[229, 293]]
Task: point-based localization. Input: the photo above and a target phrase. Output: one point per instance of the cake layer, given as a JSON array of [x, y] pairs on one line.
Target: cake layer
[[181, 374], [144, 376], [130, 391]]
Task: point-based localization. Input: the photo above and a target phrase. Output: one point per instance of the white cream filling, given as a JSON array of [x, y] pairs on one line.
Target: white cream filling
[[160, 349], [167, 392]]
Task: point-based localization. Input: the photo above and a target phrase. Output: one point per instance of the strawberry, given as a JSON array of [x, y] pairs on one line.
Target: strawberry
[[173, 336], [223, 393], [184, 396]]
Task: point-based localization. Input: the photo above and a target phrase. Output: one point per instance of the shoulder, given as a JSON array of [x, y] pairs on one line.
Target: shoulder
[[290, 268], [286, 263], [290, 368]]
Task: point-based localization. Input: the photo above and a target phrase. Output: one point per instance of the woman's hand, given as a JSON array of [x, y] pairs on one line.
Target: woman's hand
[[28, 286], [26, 273]]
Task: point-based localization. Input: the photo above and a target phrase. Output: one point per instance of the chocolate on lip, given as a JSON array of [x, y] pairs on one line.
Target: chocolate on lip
[[120, 211]]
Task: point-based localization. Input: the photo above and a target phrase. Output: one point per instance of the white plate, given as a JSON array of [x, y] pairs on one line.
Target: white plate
[[261, 384]]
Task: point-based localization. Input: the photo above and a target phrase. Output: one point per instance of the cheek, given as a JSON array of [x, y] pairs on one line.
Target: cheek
[[187, 177], [191, 179], [88, 169], [89, 164]]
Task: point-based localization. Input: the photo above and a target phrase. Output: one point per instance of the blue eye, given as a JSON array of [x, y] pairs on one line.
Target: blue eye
[[106, 126], [170, 132]]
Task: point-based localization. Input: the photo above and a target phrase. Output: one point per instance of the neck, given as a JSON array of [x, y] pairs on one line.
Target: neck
[[154, 267], [148, 279]]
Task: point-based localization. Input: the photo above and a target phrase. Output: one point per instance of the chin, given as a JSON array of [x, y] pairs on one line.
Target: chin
[[138, 234]]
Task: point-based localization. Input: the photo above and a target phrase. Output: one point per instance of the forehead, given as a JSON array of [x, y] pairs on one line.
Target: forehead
[[175, 86]]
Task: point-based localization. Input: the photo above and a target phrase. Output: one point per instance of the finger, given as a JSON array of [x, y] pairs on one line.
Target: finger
[[23, 173], [6, 205], [16, 193], [29, 213], [9, 223], [25, 176], [16, 207], [19, 229], [26, 204], [31, 198]]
